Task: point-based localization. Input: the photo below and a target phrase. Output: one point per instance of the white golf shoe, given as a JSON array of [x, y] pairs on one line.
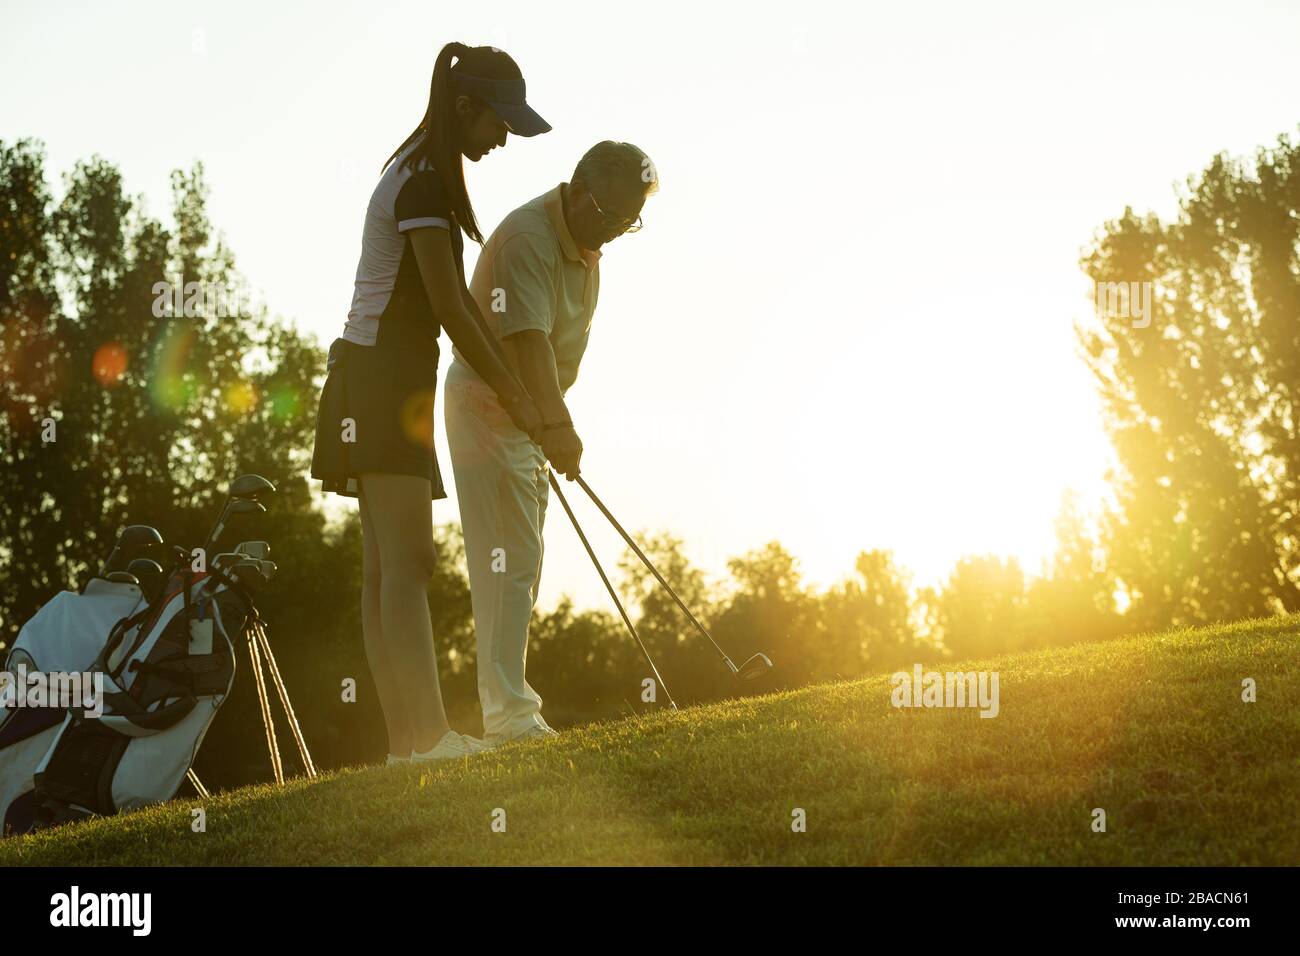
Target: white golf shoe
[[451, 745], [532, 732]]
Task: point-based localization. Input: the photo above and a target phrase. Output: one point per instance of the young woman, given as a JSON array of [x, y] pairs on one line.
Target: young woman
[[374, 427]]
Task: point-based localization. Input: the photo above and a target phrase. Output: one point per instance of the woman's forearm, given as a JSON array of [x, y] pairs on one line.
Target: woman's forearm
[[466, 328], [483, 353], [471, 306]]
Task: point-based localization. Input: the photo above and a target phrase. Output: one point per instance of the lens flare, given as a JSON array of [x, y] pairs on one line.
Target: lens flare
[[241, 398], [417, 418], [169, 387], [285, 403], [109, 364]]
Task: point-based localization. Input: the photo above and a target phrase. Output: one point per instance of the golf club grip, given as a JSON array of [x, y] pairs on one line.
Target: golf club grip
[[646, 561], [610, 588]]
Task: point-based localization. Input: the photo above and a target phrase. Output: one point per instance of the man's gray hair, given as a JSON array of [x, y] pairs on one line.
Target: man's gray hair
[[618, 165]]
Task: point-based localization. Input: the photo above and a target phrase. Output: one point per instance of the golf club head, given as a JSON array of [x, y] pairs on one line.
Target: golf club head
[[268, 569], [150, 575], [132, 543], [249, 487], [756, 668], [254, 549], [174, 557], [248, 573], [123, 577]]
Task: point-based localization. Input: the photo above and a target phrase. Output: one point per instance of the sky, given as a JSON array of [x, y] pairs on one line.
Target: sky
[[848, 321]]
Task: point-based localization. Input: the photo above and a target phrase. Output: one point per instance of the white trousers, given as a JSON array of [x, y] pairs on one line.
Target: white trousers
[[502, 487]]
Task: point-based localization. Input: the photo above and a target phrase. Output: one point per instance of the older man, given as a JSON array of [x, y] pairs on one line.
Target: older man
[[536, 284]]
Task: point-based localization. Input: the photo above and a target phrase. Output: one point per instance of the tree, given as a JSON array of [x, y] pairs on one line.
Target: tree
[[582, 665], [1075, 600], [119, 409], [1202, 403], [870, 617], [981, 608], [684, 658], [771, 611]]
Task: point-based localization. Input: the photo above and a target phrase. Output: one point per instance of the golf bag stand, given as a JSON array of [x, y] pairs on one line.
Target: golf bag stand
[[259, 652], [262, 659]]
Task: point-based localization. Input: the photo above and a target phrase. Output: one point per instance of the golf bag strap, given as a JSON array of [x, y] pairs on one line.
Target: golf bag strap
[[119, 632], [135, 623], [122, 708]]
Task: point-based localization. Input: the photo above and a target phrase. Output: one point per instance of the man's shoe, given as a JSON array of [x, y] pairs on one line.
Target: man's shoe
[[393, 758], [530, 733], [451, 745]]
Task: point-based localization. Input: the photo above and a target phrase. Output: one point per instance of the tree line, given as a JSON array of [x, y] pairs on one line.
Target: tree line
[[118, 412]]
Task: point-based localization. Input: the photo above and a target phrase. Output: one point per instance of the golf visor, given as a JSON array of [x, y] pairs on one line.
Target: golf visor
[[507, 98]]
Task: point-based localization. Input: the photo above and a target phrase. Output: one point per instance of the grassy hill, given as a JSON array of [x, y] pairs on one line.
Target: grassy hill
[[1152, 729]]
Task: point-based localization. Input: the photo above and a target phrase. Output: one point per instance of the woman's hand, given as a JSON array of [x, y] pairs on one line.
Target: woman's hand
[[524, 414]]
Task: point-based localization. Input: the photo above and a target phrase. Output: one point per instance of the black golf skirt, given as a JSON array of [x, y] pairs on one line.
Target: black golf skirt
[[376, 415]]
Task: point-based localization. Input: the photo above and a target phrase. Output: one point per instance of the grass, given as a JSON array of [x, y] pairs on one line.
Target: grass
[[1151, 729]]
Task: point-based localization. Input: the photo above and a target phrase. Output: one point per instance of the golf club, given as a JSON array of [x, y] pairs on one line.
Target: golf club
[[237, 507], [249, 573], [134, 541], [250, 486], [753, 669], [254, 549], [150, 575], [241, 497], [609, 587]]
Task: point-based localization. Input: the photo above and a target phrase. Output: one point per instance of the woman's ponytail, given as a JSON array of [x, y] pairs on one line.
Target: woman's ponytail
[[437, 139], [441, 90]]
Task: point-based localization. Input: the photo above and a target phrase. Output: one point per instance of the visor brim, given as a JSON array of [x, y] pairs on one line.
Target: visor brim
[[521, 119]]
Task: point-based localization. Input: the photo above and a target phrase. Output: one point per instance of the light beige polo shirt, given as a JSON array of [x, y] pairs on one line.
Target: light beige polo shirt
[[531, 275]]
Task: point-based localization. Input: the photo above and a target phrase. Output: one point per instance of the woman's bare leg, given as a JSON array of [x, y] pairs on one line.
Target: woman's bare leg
[[401, 515], [391, 700]]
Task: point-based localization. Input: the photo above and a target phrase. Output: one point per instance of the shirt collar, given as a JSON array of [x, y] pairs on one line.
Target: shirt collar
[[554, 203]]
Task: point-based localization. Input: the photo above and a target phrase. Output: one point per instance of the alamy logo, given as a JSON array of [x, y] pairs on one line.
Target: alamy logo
[[102, 909], [949, 689], [23, 688], [1124, 300], [199, 300]]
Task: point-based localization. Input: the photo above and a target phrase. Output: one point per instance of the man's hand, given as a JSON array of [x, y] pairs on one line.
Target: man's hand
[[563, 448]]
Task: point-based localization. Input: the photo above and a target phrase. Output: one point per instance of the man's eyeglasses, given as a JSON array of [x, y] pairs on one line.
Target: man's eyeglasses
[[620, 223]]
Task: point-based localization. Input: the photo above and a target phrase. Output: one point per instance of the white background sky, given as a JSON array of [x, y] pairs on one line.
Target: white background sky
[[847, 323]]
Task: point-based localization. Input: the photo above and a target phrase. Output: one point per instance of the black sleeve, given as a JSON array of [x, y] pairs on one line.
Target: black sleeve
[[422, 202]]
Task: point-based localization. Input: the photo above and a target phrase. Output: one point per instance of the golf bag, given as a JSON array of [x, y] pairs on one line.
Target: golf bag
[[166, 667]]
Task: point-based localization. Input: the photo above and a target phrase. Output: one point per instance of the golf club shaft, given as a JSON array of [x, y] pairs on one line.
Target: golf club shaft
[[653, 570], [216, 531], [609, 587]]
